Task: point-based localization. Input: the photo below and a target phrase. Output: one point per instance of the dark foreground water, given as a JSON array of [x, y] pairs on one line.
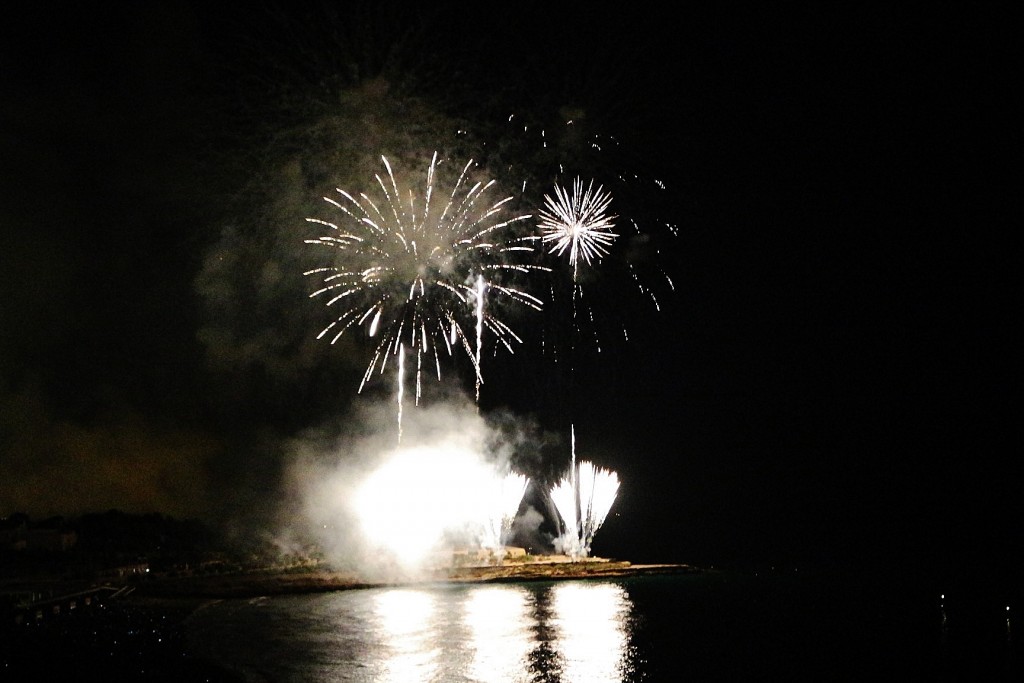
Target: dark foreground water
[[663, 628]]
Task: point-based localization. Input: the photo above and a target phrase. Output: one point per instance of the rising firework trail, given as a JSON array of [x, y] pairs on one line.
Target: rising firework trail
[[411, 269]]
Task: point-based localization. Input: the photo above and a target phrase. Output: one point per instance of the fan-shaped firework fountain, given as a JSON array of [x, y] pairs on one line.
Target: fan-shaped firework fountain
[[583, 498], [414, 270]]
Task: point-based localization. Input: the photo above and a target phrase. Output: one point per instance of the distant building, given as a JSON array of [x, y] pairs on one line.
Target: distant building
[[19, 533]]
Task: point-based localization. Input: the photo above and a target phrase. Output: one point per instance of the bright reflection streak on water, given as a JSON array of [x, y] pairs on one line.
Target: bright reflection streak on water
[[591, 622], [406, 618], [488, 633], [498, 620]]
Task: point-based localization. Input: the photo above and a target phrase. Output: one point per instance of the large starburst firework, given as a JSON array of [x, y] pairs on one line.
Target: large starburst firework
[[413, 269], [577, 222]]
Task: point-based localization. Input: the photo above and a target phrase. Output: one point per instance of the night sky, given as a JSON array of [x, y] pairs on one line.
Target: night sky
[[832, 382]]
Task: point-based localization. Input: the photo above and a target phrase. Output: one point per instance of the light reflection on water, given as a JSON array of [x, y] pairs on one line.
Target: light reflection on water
[[489, 633], [591, 622], [657, 628], [498, 619], [571, 632], [406, 626]]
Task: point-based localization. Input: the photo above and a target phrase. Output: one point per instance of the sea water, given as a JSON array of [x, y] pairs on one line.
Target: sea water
[[710, 626]]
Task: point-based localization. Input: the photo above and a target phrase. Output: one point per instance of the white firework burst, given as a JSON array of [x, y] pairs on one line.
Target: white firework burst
[[578, 222], [411, 269]]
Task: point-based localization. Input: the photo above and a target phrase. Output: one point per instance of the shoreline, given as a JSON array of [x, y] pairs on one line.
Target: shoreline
[[257, 584]]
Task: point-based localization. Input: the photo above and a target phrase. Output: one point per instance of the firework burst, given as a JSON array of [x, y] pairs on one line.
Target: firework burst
[[412, 270], [577, 222]]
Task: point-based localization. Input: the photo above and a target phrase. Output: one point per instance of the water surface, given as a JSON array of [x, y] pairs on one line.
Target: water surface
[[660, 628]]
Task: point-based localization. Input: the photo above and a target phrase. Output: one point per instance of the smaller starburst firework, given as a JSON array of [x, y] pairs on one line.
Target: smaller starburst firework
[[577, 221]]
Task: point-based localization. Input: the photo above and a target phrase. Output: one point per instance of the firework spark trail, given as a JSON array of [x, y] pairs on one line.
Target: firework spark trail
[[401, 387], [415, 272], [479, 331], [578, 222]]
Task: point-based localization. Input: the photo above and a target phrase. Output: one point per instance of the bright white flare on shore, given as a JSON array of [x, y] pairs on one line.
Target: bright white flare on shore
[[423, 498], [411, 268], [577, 222], [583, 498]]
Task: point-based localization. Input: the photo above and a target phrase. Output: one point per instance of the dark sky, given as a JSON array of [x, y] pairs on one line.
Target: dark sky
[[832, 380]]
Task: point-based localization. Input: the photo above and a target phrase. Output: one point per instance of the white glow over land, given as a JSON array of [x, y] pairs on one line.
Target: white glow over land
[[423, 497]]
